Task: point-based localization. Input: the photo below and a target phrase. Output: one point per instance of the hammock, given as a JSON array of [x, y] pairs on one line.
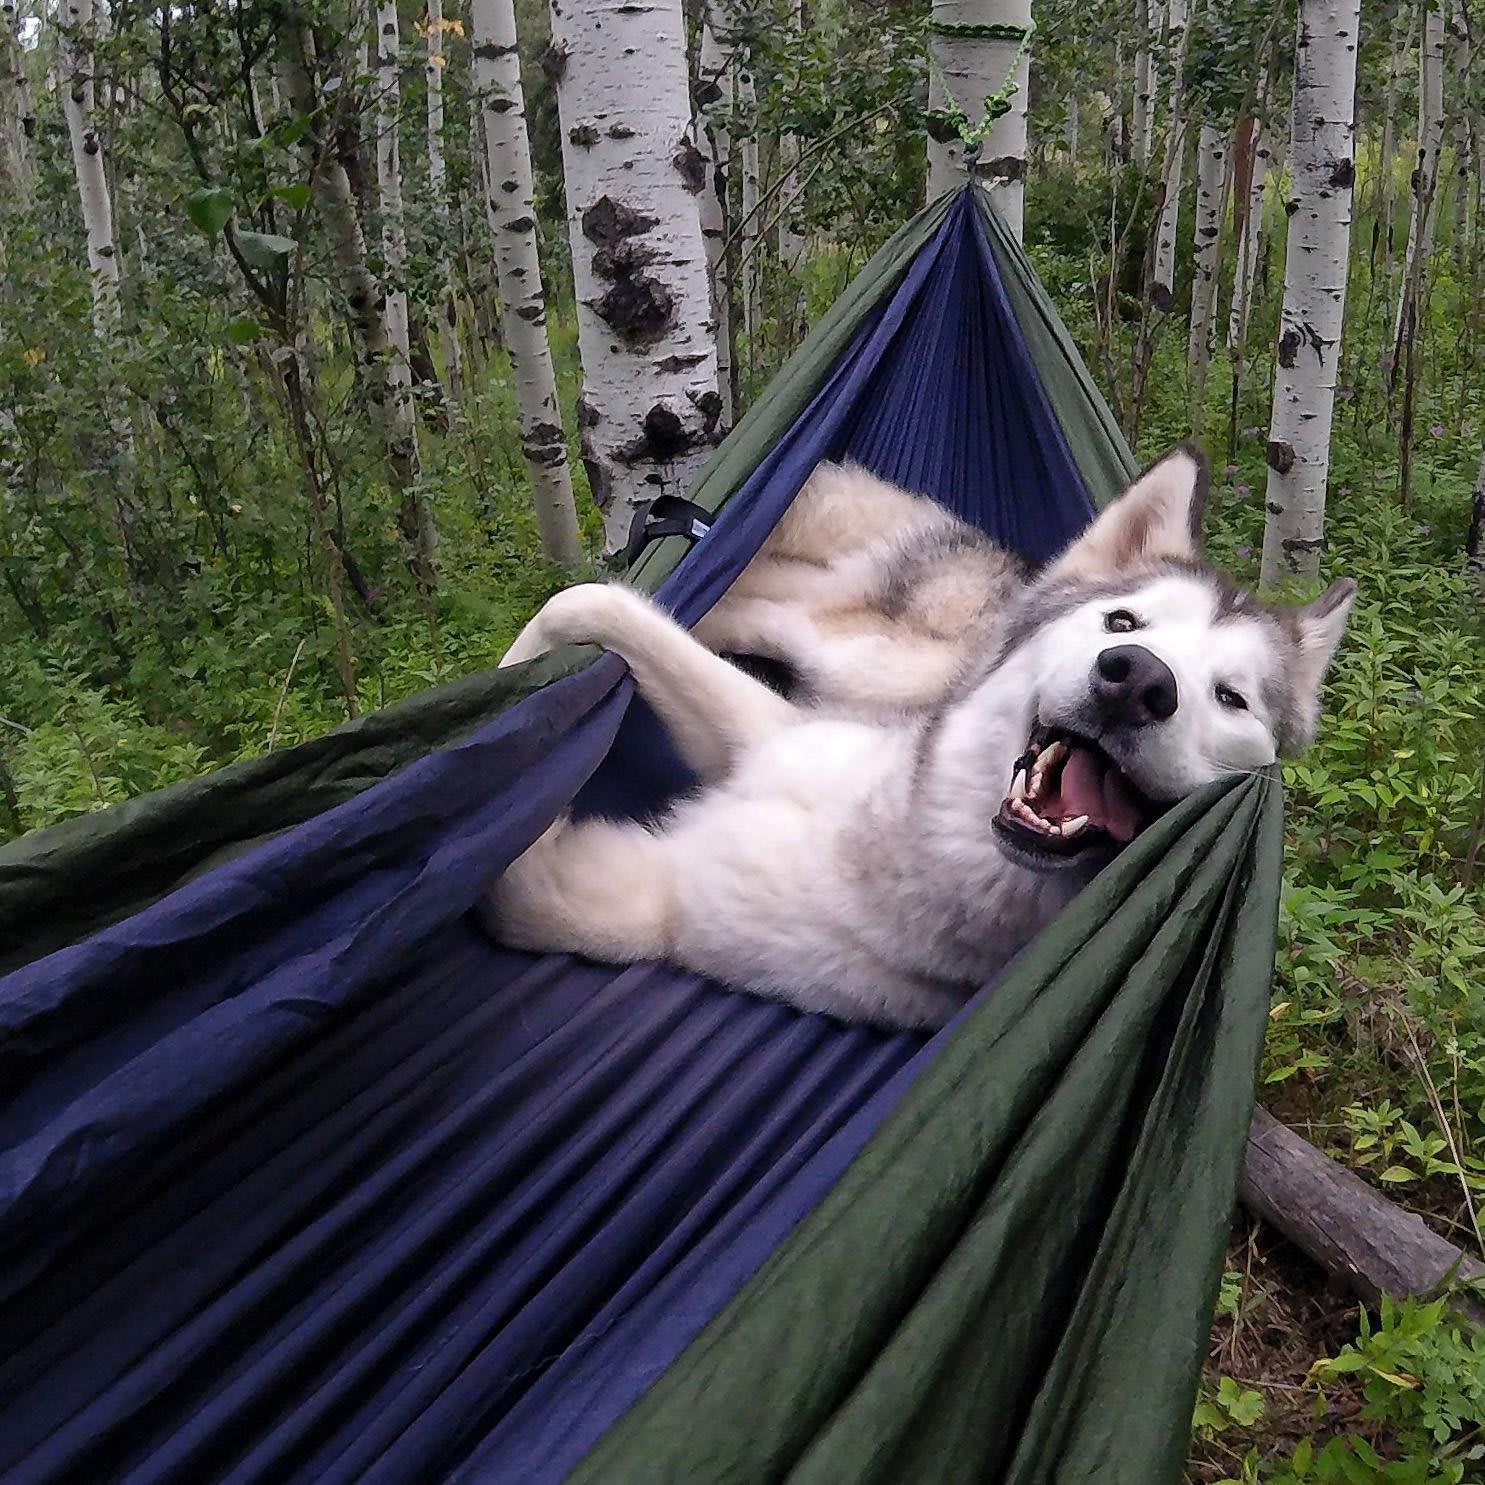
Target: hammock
[[302, 1179]]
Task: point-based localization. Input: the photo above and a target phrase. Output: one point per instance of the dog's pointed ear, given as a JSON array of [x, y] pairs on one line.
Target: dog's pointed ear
[[1159, 515], [1317, 629]]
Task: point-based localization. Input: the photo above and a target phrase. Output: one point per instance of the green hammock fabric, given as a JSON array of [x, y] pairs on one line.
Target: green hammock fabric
[[1031, 1234]]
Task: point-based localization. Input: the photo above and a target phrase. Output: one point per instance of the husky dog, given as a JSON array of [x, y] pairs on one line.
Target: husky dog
[[975, 743]]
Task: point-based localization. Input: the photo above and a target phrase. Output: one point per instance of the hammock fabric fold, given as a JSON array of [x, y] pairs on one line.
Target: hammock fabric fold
[[302, 1179]]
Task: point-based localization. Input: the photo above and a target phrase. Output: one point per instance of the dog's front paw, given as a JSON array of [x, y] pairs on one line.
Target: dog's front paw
[[575, 616]]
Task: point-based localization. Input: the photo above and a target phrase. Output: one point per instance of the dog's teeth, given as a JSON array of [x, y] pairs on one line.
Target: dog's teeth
[[1024, 812], [1018, 787], [1071, 827]]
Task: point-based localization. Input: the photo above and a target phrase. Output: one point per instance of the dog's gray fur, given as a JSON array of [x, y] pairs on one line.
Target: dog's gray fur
[[843, 854]]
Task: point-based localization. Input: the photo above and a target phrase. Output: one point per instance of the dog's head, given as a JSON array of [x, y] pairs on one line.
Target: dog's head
[[1150, 674]]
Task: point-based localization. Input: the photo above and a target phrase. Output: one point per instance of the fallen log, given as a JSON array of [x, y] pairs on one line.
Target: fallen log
[[1367, 1243]]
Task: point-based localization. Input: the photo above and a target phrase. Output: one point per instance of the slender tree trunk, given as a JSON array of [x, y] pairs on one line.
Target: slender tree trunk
[[388, 73], [502, 103], [979, 49], [1168, 229], [17, 113], [1387, 164], [1463, 136], [1249, 236], [1118, 143], [752, 218], [1142, 118], [78, 106], [1322, 151], [713, 104], [438, 191], [1211, 204], [1425, 175], [650, 404], [1474, 542], [792, 243], [1070, 130], [387, 395]]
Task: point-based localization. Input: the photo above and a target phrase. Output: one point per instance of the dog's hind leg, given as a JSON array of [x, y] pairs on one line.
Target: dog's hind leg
[[712, 710], [600, 888]]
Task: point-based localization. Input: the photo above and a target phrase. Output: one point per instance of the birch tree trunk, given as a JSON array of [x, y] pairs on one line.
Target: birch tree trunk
[[1463, 134], [1250, 240], [78, 107], [751, 200], [1211, 204], [386, 392], [17, 113], [1323, 174], [509, 192], [650, 404], [792, 244], [1141, 118], [714, 98], [438, 191], [388, 74], [1167, 232], [1387, 175], [1425, 174], [979, 49]]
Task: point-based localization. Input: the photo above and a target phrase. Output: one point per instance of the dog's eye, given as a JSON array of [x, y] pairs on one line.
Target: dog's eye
[[1228, 697], [1120, 621]]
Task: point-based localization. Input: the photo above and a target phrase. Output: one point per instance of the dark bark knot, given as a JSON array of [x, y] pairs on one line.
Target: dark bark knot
[[690, 165], [639, 308], [607, 221], [554, 60], [1342, 174], [585, 136], [1280, 456]]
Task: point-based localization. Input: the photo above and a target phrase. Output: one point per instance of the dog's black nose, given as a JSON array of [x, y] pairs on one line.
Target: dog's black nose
[[1133, 687]]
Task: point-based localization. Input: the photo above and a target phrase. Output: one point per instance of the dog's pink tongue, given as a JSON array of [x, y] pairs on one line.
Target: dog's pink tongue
[[1089, 787]]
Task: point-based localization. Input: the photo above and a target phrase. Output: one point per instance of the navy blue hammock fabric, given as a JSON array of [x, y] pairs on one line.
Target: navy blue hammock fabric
[[350, 1193]]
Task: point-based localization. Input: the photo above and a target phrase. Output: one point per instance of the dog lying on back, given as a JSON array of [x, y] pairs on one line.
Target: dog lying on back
[[971, 743]]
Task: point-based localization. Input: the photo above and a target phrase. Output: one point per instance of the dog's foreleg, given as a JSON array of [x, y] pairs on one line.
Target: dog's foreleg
[[712, 710], [599, 888]]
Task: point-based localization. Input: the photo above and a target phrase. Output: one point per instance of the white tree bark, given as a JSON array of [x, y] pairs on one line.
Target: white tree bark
[[650, 404], [1463, 132], [78, 107], [1141, 122], [383, 370], [1387, 192], [967, 67], [1211, 204], [509, 194], [714, 103], [1168, 229], [438, 191], [389, 176], [1323, 174], [1426, 172], [1250, 244], [17, 112], [751, 254], [792, 243]]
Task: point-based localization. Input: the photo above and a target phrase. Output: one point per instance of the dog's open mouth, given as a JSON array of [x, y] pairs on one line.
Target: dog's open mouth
[[1069, 797]]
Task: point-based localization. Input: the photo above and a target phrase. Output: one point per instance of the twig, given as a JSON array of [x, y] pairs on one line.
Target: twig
[[283, 696]]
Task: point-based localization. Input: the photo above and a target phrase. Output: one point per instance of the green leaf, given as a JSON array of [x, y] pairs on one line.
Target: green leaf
[[295, 195], [243, 330], [265, 250], [1397, 1173], [209, 209]]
